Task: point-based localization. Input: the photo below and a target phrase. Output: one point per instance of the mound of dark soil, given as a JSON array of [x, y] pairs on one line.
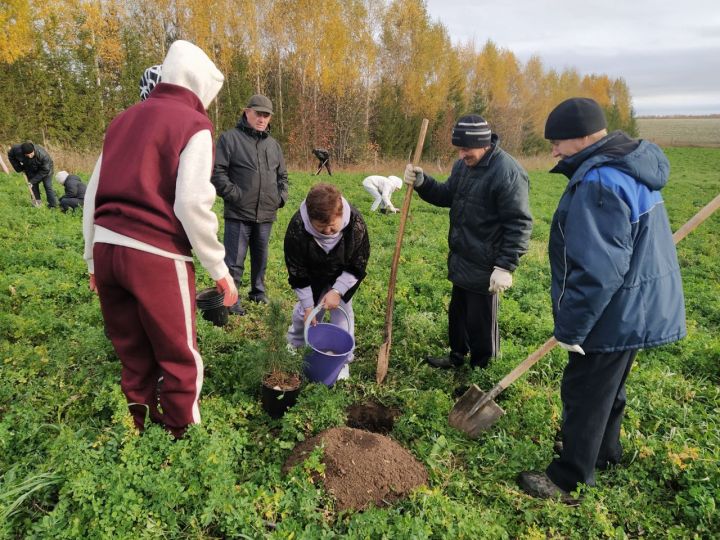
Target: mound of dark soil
[[372, 416], [362, 468]]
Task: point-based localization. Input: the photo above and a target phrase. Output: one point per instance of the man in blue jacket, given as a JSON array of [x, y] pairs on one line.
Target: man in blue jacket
[[616, 284]]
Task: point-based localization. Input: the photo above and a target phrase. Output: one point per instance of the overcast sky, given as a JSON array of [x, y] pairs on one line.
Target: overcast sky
[[668, 52]]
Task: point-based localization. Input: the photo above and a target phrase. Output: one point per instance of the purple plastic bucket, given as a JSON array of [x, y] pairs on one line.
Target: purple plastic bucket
[[331, 347]]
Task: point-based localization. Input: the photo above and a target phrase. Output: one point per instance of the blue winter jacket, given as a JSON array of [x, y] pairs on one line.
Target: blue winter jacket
[[616, 281]]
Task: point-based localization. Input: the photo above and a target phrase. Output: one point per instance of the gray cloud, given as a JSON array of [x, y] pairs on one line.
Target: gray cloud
[[669, 54]]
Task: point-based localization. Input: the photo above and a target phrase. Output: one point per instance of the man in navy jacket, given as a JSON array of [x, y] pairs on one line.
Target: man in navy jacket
[[616, 284]]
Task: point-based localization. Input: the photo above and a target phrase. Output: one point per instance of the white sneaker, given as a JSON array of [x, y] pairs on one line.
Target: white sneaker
[[344, 373]]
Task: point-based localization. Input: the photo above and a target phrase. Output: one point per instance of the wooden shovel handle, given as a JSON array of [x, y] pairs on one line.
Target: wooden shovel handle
[[697, 219], [526, 364], [401, 231], [511, 377]]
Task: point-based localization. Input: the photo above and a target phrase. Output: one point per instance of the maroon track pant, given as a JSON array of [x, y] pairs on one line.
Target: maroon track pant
[[148, 303]]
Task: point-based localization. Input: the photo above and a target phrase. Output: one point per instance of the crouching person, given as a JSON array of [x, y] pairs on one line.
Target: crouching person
[[143, 217], [326, 253], [381, 189], [74, 190]]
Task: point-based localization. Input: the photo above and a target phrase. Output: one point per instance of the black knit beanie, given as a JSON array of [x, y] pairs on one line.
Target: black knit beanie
[[574, 118], [471, 131], [27, 148]]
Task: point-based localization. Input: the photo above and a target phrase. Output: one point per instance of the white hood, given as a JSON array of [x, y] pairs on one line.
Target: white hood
[[188, 66], [395, 182]]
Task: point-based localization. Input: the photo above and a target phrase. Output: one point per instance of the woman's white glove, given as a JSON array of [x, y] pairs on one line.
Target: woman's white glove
[[572, 348], [500, 280], [413, 175]]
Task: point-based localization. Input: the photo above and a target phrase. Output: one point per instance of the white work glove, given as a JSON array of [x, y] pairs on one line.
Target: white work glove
[[500, 280], [413, 175], [572, 348]]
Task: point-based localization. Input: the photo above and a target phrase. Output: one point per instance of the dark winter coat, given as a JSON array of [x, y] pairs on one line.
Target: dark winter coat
[[37, 168], [74, 187], [490, 221], [309, 265], [616, 281], [250, 174]]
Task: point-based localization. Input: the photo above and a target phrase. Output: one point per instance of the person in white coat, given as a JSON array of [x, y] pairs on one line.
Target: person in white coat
[[381, 188]]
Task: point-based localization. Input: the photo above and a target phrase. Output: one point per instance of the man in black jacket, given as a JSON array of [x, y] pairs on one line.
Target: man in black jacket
[[36, 163], [251, 177], [490, 225], [323, 157], [74, 190]]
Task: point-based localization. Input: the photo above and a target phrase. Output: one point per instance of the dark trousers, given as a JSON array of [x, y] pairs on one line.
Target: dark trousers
[[593, 397], [326, 164], [49, 191], [473, 326], [239, 235], [70, 202]]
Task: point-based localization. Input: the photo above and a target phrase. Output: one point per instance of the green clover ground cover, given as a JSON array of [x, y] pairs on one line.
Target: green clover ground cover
[[71, 465]]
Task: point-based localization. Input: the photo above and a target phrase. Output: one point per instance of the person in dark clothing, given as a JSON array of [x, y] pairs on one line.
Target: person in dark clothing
[[74, 190], [36, 163], [250, 176], [326, 252], [616, 284], [490, 225], [323, 160]]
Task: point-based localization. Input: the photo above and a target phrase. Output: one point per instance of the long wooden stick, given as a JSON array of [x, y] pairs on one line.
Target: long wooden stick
[[384, 353], [697, 219]]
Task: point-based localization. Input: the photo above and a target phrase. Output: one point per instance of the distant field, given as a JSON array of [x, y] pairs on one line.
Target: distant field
[[681, 131]]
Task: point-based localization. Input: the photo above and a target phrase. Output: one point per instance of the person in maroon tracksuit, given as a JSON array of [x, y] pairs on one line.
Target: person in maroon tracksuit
[[147, 207]]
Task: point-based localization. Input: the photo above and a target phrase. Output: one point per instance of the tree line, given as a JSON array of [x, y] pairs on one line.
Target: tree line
[[353, 76]]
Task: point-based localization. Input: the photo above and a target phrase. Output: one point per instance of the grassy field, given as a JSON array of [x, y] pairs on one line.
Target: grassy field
[[681, 131], [71, 466]]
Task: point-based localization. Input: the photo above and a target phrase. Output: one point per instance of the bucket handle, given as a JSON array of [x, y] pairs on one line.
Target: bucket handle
[[317, 309]]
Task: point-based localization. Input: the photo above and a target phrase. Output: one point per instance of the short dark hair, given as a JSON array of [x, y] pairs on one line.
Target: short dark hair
[[323, 202], [27, 147]]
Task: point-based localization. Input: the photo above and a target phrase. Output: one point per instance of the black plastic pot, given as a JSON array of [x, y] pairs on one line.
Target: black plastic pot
[[210, 303], [276, 402]]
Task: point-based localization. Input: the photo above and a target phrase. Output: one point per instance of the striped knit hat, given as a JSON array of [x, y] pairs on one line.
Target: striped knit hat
[[471, 131]]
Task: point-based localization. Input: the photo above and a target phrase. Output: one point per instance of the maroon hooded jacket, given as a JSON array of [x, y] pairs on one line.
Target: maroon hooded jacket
[[137, 194]]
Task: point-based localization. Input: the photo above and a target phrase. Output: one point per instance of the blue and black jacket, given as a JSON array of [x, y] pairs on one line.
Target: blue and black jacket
[[616, 281]]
